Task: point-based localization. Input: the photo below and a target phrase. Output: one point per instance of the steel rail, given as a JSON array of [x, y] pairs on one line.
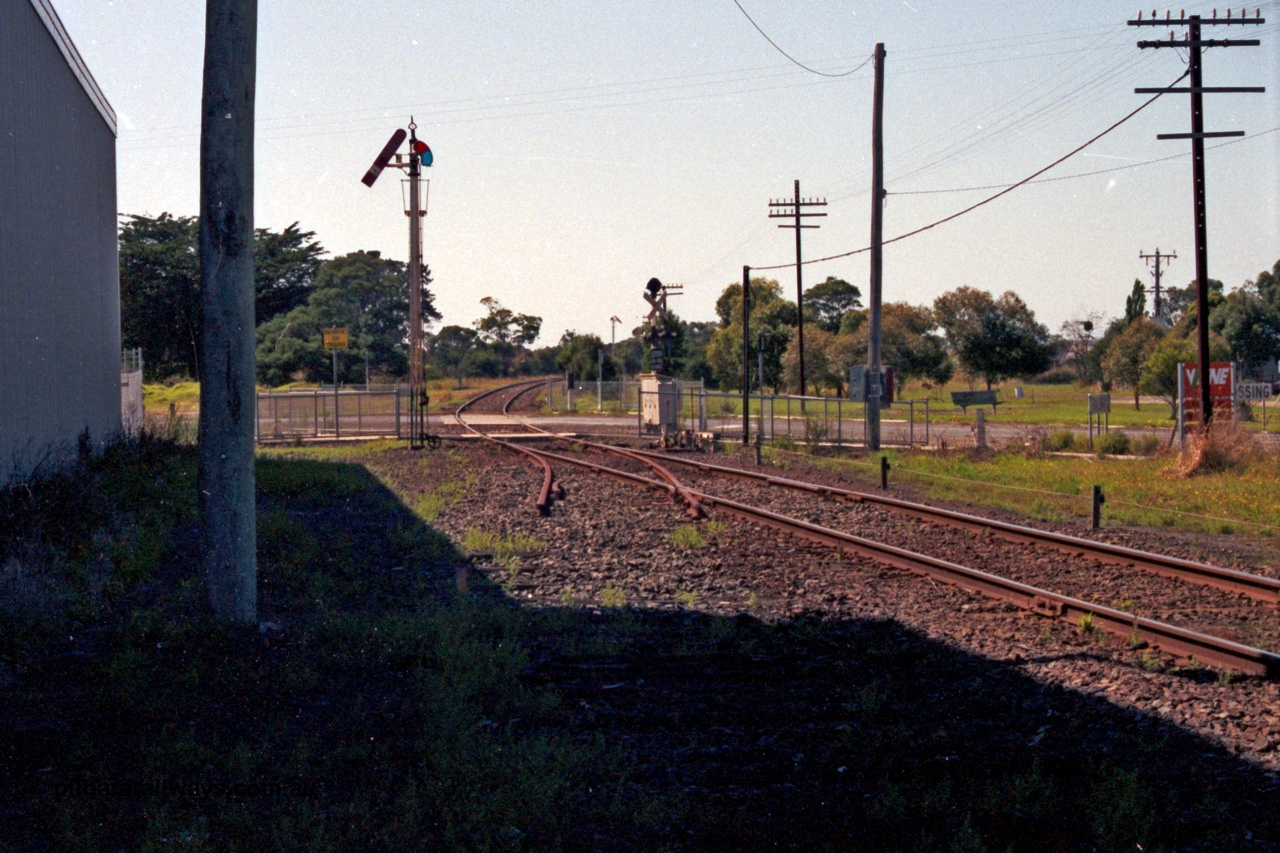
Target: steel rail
[[548, 489], [1165, 637], [1171, 639], [683, 495], [1257, 587]]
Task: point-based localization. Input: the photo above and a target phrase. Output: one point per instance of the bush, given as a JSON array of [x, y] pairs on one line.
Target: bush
[[1112, 443], [1225, 448], [1147, 445], [1062, 440], [1055, 376]]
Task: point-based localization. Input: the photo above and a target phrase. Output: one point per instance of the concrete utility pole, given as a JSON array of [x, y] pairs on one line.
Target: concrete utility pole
[[225, 480], [1156, 311], [794, 209], [1197, 136], [746, 356], [877, 236]]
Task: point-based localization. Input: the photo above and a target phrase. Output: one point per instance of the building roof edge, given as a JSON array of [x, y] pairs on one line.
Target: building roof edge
[[77, 64]]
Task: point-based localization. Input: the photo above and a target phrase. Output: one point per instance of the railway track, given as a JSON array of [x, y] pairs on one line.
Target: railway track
[[1137, 631]]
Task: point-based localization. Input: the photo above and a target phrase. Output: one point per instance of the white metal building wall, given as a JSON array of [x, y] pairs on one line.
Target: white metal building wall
[[59, 270]]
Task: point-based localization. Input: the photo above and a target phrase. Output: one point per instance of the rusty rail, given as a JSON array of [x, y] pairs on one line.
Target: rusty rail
[[1254, 586], [548, 489]]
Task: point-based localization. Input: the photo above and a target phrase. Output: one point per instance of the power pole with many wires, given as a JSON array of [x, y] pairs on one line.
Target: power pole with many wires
[[877, 266], [794, 209], [1193, 42], [1157, 310]]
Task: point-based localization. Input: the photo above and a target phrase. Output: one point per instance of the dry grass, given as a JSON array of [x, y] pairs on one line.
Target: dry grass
[[1226, 447]]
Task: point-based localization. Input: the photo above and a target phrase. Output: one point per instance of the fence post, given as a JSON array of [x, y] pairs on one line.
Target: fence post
[[398, 412], [884, 472], [1098, 501]]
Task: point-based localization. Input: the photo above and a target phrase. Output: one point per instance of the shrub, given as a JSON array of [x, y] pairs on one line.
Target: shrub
[[1112, 443], [1225, 448], [1055, 376], [1146, 445], [1063, 439]]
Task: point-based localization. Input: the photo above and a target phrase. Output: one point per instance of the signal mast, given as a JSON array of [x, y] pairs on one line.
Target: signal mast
[[417, 156]]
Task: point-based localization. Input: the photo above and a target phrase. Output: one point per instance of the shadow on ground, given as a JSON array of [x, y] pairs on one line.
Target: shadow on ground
[[377, 708]]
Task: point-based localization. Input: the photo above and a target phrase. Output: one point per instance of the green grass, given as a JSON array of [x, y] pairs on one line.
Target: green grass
[[501, 546], [1137, 491], [686, 536]]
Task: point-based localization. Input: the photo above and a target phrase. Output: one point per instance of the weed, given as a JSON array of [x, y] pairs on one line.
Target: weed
[[1085, 623], [429, 504], [753, 602], [1124, 605], [1151, 662], [713, 529], [612, 596], [687, 599], [499, 546], [785, 443], [1226, 676], [566, 596], [687, 536], [815, 432]]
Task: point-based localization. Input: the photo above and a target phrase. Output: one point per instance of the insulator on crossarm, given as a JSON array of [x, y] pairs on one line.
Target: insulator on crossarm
[[1166, 14]]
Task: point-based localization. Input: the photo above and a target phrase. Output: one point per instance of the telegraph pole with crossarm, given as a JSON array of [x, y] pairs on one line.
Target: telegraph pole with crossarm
[[794, 209], [1193, 42]]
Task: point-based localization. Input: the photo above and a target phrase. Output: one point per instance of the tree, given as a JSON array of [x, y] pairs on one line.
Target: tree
[[228, 406], [771, 315], [1135, 304], [285, 265], [1127, 356], [361, 291], [160, 302], [830, 301], [1160, 371], [825, 362], [503, 326], [1267, 285], [160, 308], [1251, 327], [448, 349], [993, 339], [577, 357], [1078, 337], [1180, 302]]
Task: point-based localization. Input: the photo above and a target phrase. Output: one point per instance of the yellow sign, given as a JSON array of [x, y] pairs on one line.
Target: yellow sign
[[334, 338]]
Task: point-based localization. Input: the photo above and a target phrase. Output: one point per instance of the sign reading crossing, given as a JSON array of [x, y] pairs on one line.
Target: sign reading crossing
[[1248, 392], [334, 338]]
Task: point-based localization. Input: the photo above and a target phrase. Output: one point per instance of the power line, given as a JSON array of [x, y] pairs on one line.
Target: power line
[[989, 199], [789, 56], [1088, 174]]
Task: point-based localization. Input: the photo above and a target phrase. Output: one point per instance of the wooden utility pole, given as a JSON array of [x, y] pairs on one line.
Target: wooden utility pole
[[794, 209], [227, 390], [1197, 90], [877, 236]]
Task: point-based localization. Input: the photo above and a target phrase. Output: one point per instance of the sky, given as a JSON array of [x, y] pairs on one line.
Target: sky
[[583, 147]]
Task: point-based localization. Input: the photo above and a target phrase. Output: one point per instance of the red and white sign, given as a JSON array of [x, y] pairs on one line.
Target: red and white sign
[[1221, 388]]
